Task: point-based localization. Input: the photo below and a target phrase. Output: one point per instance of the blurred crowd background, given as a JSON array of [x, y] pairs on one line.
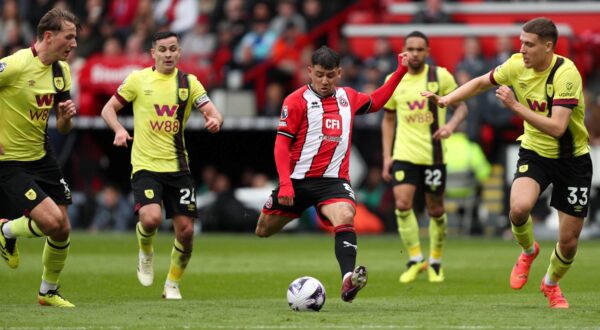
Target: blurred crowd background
[[250, 54]]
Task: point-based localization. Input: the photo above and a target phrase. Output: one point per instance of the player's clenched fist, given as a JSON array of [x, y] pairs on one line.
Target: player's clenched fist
[[121, 138], [67, 109], [212, 124]]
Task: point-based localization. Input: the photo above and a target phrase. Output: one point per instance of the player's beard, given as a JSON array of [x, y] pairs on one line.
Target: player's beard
[[418, 67]]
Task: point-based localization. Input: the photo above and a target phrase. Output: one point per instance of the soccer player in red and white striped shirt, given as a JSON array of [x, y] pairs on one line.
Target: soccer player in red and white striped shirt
[[312, 153]]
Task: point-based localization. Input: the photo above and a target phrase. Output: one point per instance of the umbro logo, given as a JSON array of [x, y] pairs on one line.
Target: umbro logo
[[348, 244], [148, 92], [31, 83]]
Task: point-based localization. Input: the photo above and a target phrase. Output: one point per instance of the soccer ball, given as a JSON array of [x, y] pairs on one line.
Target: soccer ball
[[305, 294]]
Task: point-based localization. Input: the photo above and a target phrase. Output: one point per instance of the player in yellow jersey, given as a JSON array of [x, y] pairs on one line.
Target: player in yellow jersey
[[412, 131], [33, 83], [163, 98], [554, 147]]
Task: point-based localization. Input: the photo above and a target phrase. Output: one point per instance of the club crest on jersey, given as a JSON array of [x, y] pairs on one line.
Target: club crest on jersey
[[2, 66], [343, 101], [31, 195], [284, 112], [59, 83], [433, 86], [183, 94], [149, 193], [550, 90]]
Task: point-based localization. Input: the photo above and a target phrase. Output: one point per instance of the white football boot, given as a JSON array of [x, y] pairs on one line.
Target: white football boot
[[171, 290], [145, 269]]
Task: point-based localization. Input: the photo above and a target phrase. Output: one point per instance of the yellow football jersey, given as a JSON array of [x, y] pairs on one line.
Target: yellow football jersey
[[414, 120], [158, 142], [28, 93], [530, 89]]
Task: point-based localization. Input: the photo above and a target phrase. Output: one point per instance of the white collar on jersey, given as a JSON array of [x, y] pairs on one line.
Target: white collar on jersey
[[319, 95]]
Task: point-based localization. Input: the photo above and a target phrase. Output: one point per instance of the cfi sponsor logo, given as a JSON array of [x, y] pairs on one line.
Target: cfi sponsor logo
[[31, 195], [149, 193]]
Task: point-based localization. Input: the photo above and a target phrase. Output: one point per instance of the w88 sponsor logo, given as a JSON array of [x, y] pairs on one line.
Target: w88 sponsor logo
[[167, 126]]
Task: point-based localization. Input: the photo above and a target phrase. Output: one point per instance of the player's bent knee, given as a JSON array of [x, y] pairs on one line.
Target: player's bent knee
[[435, 212], [150, 220], [519, 212], [403, 204]]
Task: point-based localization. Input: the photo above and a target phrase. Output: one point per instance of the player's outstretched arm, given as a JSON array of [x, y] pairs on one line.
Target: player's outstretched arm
[[469, 89], [64, 112], [212, 116], [382, 94], [109, 114]]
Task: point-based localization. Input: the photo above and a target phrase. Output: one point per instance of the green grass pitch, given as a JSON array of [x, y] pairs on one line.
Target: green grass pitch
[[240, 282]]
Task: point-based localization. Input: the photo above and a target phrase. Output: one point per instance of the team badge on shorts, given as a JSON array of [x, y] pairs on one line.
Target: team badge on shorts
[[149, 193], [31, 195], [399, 175], [523, 168], [269, 202]]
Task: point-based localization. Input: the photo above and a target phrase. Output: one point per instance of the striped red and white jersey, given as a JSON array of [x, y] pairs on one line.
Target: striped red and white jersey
[[321, 130]]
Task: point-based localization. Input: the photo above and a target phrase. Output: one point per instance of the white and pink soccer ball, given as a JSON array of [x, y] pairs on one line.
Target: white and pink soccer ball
[[306, 294]]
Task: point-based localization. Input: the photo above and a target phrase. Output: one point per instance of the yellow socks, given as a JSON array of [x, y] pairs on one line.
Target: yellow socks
[[24, 227], [54, 257], [179, 261], [409, 233], [144, 238], [559, 265], [524, 235], [437, 236]]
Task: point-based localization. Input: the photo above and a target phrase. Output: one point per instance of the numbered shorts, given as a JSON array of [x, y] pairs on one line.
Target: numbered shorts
[[26, 184], [175, 190], [312, 192], [571, 179], [431, 177]]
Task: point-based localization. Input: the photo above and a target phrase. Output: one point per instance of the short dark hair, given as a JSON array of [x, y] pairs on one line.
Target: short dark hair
[[326, 58], [417, 34], [53, 19], [163, 35], [544, 28]]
